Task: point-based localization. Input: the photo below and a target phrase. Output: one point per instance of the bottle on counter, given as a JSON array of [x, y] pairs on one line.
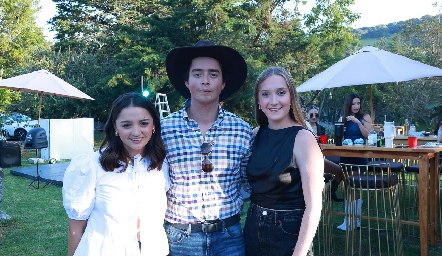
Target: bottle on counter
[[406, 127], [372, 137], [381, 140], [412, 130]]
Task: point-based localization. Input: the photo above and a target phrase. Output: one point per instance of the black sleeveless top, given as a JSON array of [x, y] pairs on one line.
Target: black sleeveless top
[[275, 184]]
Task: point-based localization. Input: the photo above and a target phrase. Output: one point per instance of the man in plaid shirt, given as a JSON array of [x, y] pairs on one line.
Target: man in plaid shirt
[[207, 149]]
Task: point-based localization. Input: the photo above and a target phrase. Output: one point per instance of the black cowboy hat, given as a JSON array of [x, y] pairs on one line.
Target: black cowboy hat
[[233, 64]]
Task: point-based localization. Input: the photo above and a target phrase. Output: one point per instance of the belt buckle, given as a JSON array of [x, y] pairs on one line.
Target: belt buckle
[[209, 226]]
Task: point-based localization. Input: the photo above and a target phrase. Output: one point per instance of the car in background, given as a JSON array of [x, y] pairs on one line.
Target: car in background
[[17, 125]]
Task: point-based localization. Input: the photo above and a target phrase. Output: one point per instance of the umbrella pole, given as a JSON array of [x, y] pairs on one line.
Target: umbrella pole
[[39, 109], [314, 96], [371, 105]]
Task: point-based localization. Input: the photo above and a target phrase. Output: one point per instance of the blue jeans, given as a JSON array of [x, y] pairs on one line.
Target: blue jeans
[[221, 243], [272, 232]]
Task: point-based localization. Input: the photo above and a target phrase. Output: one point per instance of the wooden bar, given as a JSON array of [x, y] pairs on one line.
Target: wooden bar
[[403, 140], [434, 193], [423, 204], [428, 177]]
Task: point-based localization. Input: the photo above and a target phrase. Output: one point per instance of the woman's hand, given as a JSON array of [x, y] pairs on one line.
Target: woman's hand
[[353, 119]]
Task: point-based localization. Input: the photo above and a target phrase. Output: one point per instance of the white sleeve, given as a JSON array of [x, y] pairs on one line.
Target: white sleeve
[[165, 170], [79, 183]]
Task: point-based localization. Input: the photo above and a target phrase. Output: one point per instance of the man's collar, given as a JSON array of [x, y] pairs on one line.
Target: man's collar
[[187, 104]]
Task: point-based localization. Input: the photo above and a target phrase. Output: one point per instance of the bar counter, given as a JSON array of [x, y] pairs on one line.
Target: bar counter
[[428, 200], [421, 140]]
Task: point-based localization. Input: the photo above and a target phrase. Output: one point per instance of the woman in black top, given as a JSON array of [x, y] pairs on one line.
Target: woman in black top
[[285, 172]]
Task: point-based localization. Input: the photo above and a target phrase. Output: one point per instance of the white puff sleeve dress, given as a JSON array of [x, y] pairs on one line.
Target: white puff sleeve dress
[[112, 203]]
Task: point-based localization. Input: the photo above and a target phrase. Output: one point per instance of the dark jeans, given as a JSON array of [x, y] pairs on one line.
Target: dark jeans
[[272, 232], [229, 242]]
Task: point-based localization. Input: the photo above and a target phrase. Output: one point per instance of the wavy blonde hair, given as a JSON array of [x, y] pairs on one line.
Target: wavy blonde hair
[[296, 111]]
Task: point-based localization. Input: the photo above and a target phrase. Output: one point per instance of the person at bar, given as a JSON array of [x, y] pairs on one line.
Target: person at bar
[[357, 124], [313, 118]]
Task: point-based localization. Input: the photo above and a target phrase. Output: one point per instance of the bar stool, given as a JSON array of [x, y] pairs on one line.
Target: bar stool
[[398, 169], [381, 225], [323, 240], [395, 167]]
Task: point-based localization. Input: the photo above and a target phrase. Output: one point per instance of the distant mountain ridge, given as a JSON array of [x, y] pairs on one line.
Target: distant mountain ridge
[[388, 30]]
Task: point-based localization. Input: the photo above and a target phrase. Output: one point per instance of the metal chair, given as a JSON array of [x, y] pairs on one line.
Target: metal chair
[[376, 228], [398, 169]]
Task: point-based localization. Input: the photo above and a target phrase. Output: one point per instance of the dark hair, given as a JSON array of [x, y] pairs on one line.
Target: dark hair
[[312, 107], [112, 148], [296, 111], [436, 129], [347, 108]]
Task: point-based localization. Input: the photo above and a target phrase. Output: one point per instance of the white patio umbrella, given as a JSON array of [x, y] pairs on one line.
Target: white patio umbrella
[[43, 82], [369, 65]]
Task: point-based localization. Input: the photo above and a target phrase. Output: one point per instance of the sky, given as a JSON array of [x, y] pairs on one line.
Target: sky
[[373, 12]]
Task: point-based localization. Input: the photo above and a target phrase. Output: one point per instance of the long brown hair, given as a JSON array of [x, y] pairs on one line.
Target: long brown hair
[[296, 112], [346, 111], [112, 148]]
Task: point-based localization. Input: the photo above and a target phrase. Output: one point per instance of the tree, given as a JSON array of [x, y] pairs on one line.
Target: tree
[[19, 38], [420, 42], [330, 40], [116, 30], [137, 35]]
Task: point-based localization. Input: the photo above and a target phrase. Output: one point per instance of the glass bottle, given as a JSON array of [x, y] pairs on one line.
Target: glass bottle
[[412, 130], [380, 140], [372, 137], [406, 127]]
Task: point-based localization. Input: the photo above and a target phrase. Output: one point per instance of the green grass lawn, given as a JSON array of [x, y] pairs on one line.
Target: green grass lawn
[[39, 225]]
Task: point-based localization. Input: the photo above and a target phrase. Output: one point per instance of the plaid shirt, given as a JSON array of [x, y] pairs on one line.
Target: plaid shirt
[[195, 195]]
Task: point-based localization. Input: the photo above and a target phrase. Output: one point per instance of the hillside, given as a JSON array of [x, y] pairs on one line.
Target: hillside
[[371, 34]]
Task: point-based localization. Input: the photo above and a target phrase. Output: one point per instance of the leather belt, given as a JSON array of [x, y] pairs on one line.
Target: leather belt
[[209, 226]]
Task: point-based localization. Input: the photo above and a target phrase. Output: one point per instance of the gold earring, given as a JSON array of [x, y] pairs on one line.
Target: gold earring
[[116, 134]]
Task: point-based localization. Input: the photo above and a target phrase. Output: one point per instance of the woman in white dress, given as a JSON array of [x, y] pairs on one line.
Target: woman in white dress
[[115, 198]]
